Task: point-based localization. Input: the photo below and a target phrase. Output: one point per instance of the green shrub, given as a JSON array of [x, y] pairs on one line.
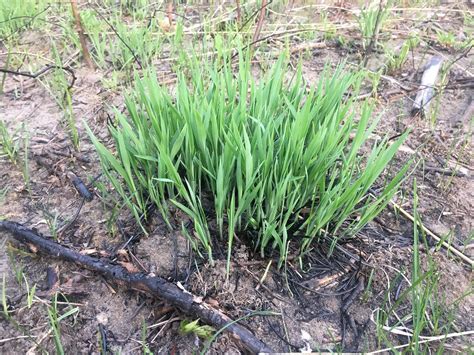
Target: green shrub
[[277, 163]]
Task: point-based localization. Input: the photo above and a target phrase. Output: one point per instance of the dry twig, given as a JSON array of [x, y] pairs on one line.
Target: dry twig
[[258, 29], [82, 36], [41, 72], [449, 247]]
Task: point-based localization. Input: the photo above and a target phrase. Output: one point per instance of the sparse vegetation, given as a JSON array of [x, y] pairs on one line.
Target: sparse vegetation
[[430, 315]]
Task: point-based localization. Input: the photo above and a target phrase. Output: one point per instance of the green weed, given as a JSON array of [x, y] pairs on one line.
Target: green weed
[[193, 327], [3, 194], [58, 87], [146, 350], [371, 20], [6, 313], [18, 15], [118, 43], [446, 39], [396, 60], [30, 292], [26, 160], [53, 224], [9, 143], [55, 320]]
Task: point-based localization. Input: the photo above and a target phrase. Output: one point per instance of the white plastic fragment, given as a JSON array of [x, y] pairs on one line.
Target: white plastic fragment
[[426, 89]]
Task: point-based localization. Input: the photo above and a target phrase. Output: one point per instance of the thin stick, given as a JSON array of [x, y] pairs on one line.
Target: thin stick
[[451, 248], [439, 337], [82, 36], [258, 29], [14, 338], [41, 72], [239, 11]]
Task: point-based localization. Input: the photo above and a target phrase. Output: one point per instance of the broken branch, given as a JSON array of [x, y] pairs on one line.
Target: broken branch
[[155, 285], [41, 72]]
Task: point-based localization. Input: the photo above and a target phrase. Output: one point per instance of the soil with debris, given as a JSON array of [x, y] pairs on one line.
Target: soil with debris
[[328, 305]]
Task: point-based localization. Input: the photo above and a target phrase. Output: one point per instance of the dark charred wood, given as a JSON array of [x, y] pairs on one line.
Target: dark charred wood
[[150, 283], [81, 188]]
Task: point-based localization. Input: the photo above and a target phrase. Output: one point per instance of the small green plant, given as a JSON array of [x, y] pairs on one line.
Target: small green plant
[[192, 327], [30, 292], [55, 320], [120, 43], [446, 39], [26, 160], [395, 60], [146, 349], [275, 162], [97, 33], [3, 194], [16, 267], [328, 28], [18, 15], [439, 92], [53, 225], [374, 79], [58, 87], [6, 66], [371, 20], [9, 143], [6, 313]]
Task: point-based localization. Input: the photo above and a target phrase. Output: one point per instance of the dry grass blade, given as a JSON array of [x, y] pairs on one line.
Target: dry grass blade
[[449, 247]]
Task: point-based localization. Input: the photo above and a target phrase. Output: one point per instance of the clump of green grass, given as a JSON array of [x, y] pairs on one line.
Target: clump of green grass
[[371, 20], [18, 15], [396, 59], [276, 163], [117, 43]]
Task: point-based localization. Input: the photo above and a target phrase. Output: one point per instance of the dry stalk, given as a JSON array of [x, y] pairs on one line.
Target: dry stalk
[[82, 36], [258, 29]]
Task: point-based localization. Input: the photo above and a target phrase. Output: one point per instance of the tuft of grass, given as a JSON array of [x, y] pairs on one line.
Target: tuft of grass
[[26, 161], [30, 292], [145, 348], [55, 322], [262, 158], [52, 223], [371, 20], [118, 43], [9, 143], [18, 15], [396, 59]]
